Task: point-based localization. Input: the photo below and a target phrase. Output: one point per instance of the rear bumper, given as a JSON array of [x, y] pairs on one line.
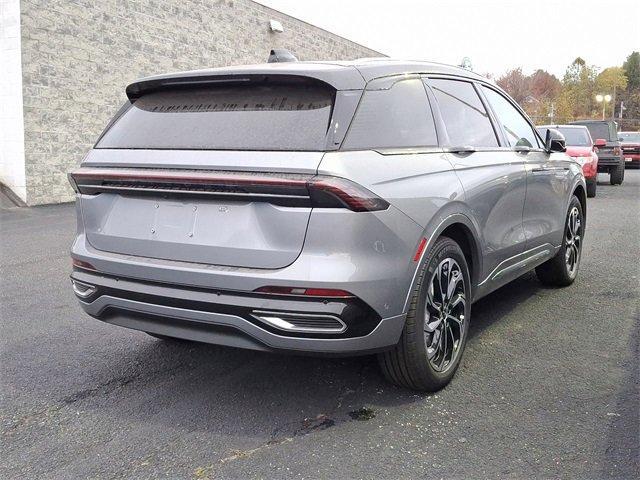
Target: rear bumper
[[228, 318], [608, 162]]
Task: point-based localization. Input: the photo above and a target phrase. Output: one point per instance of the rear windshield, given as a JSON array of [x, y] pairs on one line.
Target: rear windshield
[[576, 137], [630, 137], [267, 117], [600, 130]]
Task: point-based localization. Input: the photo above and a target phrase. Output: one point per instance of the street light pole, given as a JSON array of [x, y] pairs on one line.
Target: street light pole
[[604, 99]]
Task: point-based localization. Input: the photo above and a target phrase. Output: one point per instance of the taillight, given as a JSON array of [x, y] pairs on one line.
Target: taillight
[[326, 190], [311, 292], [320, 191], [82, 264]]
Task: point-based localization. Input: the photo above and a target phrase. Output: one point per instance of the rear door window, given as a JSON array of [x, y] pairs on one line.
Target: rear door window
[[518, 130], [465, 118], [265, 117], [393, 118]]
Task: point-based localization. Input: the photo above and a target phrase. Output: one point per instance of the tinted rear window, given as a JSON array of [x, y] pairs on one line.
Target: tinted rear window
[[395, 118], [576, 137], [600, 130], [274, 117], [630, 137]]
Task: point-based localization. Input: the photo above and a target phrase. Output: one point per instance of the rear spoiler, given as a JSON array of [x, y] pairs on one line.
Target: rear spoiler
[[338, 77]]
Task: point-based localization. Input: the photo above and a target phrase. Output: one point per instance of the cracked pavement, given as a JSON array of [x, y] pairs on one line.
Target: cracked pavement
[[548, 386]]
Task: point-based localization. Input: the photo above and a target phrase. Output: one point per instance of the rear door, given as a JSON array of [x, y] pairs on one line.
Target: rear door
[[548, 176], [493, 178], [172, 214]]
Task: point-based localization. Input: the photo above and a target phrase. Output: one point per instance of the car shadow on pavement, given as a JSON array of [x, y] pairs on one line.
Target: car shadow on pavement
[[494, 307], [220, 390]]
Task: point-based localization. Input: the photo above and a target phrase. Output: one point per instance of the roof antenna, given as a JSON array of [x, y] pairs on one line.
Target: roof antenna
[[279, 55]]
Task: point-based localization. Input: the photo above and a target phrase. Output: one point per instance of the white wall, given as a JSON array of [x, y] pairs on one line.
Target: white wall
[[12, 171]]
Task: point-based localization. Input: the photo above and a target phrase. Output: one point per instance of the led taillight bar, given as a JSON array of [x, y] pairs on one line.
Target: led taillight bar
[[321, 191]]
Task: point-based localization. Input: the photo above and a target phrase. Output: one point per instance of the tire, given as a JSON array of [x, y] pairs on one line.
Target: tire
[[617, 175], [561, 270], [408, 364], [592, 185]]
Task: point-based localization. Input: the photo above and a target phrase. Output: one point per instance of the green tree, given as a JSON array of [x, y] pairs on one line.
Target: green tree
[[631, 68], [610, 79], [578, 88]]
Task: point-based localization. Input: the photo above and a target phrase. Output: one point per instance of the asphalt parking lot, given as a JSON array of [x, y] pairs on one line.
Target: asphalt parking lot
[[549, 386]]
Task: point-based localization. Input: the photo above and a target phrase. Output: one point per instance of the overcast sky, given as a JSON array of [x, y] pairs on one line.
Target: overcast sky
[[496, 35]]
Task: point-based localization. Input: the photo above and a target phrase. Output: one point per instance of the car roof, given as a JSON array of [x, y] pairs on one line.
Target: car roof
[[342, 75]]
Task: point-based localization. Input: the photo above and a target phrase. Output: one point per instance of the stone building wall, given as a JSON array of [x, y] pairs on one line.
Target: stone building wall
[[78, 56]]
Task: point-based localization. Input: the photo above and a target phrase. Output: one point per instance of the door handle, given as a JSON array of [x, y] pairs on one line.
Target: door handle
[[548, 168], [464, 150]]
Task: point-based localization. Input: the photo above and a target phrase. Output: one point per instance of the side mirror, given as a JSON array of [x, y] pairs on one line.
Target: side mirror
[[600, 142], [554, 141]]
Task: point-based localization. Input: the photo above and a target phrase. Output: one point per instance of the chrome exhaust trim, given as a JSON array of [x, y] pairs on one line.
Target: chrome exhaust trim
[[301, 322], [81, 289]]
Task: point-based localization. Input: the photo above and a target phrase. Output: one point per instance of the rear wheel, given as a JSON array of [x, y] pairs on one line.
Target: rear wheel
[[435, 333], [617, 175], [562, 269], [591, 187]]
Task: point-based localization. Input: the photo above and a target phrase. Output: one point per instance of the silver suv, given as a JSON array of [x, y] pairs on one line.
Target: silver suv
[[332, 208]]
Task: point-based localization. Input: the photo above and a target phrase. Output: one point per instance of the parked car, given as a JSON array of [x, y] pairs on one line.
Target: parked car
[[580, 147], [630, 147], [610, 159], [328, 208]]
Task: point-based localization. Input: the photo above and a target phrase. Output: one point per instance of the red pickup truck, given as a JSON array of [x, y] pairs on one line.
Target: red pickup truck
[[630, 148]]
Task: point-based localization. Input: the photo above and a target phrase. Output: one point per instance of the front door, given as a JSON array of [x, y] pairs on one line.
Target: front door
[[547, 174], [493, 177]]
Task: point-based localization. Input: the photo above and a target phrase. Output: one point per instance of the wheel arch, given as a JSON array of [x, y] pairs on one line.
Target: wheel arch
[[581, 192], [461, 229]]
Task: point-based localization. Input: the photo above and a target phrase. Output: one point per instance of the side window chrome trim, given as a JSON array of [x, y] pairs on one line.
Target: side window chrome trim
[[408, 150], [387, 83], [519, 109]]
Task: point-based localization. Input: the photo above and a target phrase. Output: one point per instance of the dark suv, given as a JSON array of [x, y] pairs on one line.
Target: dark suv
[[610, 159]]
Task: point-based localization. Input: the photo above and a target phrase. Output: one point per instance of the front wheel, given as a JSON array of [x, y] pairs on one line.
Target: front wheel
[[562, 269], [435, 333]]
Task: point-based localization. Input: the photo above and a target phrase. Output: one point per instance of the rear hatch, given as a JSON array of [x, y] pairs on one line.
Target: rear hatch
[[605, 131], [214, 175]]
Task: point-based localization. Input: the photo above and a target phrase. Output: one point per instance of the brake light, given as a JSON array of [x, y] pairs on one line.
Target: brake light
[[311, 292], [351, 195], [82, 264], [281, 188]]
